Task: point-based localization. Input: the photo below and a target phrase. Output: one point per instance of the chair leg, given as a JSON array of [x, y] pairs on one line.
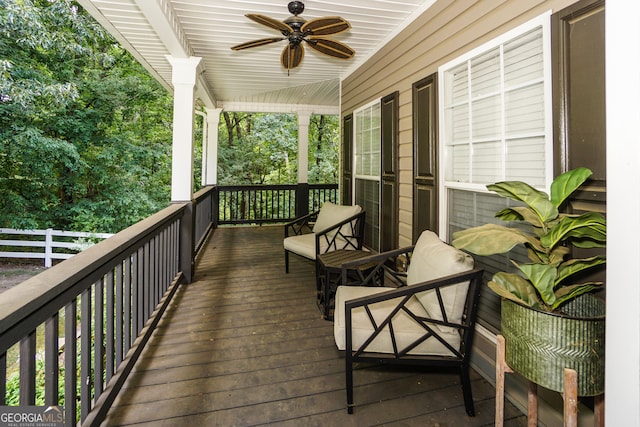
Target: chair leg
[[349, 378], [466, 390], [286, 261]]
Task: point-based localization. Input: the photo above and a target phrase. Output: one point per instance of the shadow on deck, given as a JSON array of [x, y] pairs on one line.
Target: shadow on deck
[[244, 344]]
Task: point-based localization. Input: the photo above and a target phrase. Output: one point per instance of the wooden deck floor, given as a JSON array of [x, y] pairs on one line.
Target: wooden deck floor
[[244, 345]]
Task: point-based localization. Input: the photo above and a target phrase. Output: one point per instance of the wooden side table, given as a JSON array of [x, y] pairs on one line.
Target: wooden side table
[[329, 276]]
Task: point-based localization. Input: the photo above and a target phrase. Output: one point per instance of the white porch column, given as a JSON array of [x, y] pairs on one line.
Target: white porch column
[[184, 74], [205, 134], [303, 147], [210, 155]]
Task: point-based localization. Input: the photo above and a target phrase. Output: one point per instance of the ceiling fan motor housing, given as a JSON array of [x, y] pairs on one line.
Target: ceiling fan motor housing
[[295, 22]]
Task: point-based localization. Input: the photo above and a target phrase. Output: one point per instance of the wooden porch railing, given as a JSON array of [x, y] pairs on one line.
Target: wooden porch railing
[[107, 301], [99, 308], [259, 204]]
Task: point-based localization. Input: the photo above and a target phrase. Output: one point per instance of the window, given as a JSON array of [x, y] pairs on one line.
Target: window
[[367, 169], [495, 124]]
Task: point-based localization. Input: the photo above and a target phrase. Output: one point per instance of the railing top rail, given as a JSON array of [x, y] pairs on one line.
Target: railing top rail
[[53, 288], [203, 192], [273, 186], [257, 187]]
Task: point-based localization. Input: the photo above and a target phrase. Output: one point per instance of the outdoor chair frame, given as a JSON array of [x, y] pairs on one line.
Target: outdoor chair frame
[[459, 358]]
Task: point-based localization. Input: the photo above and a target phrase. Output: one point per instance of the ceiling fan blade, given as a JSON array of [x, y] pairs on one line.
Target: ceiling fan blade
[[292, 56], [285, 29], [256, 43], [331, 47], [325, 26]]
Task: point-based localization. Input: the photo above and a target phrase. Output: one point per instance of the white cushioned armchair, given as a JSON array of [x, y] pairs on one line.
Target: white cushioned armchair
[[332, 227], [428, 321]]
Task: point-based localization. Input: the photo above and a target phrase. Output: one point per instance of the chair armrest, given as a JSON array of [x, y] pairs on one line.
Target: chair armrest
[[403, 295], [353, 235], [298, 225], [392, 293], [474, 276], [385, 262]]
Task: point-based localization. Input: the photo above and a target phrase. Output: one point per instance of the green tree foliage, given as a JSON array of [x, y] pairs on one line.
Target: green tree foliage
[[324, 149], [263, 149], [85, 132], [257, 148]]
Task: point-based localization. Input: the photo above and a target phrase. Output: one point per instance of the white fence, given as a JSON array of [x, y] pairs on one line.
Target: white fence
[[46, 244]]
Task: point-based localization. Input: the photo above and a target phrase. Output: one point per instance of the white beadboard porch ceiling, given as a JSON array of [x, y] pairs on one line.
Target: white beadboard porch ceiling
[[251, 79]]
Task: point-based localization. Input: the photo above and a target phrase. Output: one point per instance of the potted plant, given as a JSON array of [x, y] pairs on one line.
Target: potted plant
[[550, 321]]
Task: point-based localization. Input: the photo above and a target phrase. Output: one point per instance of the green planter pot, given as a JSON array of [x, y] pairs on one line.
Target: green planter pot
[[539, 345]]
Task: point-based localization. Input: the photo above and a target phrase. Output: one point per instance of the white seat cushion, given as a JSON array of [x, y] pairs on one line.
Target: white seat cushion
[[305, 245], [406, 330]]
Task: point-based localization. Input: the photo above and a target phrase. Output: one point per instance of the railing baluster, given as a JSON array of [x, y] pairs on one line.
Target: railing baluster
[[164, 264], [28, 369], [85, 353], [51, 360], [138, 294], [70, 363], [119, 314], [3, 378], [146, 291], [110, 334], [129, 303], [153, 275], [157, 283], [98, 360]]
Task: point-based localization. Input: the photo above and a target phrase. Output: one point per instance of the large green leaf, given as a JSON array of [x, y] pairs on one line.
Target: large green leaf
[[590, 226], [543, 278], [574, 266], [567, 183], [491, 239], [567, 293], [520, 213], [537, 200], [514, 287], [556, 256]]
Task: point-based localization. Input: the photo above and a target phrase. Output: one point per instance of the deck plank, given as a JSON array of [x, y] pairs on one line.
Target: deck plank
[[244, 344]]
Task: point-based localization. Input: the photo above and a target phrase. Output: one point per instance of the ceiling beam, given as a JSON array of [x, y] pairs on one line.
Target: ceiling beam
[[249, 107], [161, 17]]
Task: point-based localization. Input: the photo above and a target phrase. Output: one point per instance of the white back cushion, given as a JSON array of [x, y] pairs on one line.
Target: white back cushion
[[331, 214], [432, 259]]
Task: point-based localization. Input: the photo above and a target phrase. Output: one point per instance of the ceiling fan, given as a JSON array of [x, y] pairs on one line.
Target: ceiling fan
[[296, 29]]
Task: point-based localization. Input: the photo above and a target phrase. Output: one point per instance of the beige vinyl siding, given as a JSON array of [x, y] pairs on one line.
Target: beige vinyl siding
[[445, 31]]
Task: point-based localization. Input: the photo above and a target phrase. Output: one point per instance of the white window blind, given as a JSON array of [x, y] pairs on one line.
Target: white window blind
[[494, 126], [367, 139], [367, 160], [494, 114]]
